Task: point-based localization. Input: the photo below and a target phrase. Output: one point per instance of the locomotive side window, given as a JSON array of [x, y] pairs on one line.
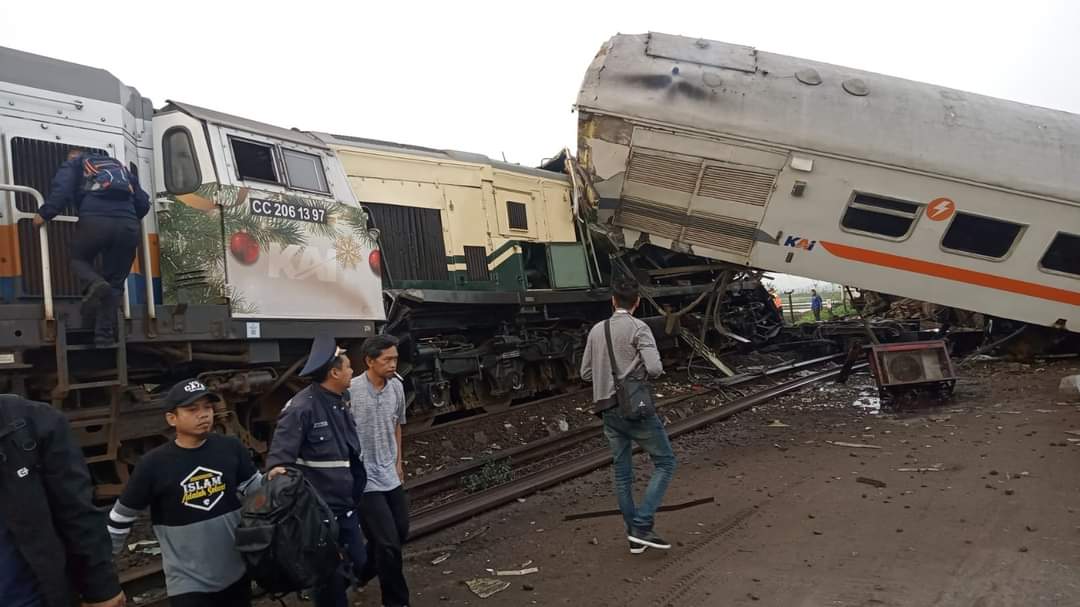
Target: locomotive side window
[[254, 160], [980, 235], [305, 171], [878, 216], [181, 170], [517, 217], [1063, 254]]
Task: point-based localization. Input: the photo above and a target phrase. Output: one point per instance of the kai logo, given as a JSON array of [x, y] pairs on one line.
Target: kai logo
[[202, 489], [796, 242], [298, 263]]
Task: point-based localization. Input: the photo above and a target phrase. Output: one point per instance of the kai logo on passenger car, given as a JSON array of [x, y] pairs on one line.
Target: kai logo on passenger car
[[797, 242]]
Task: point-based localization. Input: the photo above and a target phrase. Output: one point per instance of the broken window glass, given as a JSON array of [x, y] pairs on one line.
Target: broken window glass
[[1063, 254], [254, 160], [980, 235], [880, 216]]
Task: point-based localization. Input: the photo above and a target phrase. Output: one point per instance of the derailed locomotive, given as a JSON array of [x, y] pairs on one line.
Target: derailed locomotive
[[262, 237]]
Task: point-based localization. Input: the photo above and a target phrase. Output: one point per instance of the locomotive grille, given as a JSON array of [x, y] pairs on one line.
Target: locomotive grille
[[705, 229], [33, 164], [663, 172], [411, 242], [737, 185]]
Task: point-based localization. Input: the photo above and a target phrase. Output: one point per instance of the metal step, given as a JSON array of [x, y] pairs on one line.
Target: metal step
[[85, 347]]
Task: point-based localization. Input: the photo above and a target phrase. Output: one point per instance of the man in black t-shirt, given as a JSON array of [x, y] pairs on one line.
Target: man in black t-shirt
[[193, 487]]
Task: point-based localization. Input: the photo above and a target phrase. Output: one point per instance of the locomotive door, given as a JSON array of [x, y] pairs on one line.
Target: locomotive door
[[31, 160]]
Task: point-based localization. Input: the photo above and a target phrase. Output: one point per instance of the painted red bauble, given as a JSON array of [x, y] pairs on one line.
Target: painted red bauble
[[244, 248], [375, 261]]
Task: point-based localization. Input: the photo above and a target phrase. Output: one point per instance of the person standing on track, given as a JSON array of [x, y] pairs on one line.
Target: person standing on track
[[378, 404], [54, 549], [316, 434], [193, 486], [636, 354], [815, 304], [110, 204]]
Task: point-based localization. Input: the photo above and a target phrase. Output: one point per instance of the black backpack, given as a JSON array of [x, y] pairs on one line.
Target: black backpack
[[288, 535]]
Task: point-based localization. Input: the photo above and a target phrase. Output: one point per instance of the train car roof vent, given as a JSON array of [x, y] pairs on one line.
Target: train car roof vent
[[856, 86], [808, 76]]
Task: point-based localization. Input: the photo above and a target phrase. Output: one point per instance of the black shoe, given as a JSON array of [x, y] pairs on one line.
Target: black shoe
[[648, 538], [637, 548]]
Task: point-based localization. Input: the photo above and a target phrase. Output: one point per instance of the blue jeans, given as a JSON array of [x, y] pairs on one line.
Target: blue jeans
[[649, 433]]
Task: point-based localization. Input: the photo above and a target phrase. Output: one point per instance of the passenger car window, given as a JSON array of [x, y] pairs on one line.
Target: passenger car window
[[305, 171], [1063, 255], [880, 216], [980, 235]]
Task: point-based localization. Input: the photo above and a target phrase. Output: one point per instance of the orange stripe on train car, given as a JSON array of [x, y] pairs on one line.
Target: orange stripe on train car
[[972, 277], [10, 262], [155, 258]]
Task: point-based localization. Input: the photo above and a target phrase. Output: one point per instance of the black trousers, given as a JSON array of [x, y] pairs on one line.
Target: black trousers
[[385, 520], [333, 593], [116, 240], [237, 595]]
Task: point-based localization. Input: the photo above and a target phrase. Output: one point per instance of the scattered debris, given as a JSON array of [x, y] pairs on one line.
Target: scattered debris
[[934, 468], [872, 482], [150, 547], [442, 557], [594, 542], [777, 424], [509, 572], [852, 445], [528, 587], [1070, 385], [485, 587]]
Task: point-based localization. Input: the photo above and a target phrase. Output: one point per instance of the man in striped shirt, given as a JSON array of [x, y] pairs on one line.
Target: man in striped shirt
[[193, 487]]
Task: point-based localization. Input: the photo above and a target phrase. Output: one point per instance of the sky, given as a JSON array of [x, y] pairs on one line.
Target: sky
[[501, 78]]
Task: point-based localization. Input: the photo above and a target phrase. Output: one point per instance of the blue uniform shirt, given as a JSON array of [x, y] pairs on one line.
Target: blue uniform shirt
[[18, 588]]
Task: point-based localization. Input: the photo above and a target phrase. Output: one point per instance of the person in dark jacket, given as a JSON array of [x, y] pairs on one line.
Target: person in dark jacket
[[108, 226], [54, 549], [316, 434]]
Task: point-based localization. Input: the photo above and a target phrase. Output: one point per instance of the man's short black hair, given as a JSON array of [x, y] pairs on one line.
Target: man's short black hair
[[375, 345], [321, 374], [626, 293]]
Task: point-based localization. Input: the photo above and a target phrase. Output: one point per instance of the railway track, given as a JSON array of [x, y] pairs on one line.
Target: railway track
[[146, 580]]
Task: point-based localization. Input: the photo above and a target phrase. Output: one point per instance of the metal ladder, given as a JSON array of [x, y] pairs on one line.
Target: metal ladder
[[104, 417]]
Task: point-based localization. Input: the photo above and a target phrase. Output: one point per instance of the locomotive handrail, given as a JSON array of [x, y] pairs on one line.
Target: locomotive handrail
[[46, 270], [148, 274]]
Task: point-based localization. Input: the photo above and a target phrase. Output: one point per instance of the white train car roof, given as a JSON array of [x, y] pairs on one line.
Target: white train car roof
[[45, 73], [451, 155], [721, 88]]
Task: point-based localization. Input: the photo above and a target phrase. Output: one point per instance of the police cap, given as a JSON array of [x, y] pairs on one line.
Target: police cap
[[323, 352]]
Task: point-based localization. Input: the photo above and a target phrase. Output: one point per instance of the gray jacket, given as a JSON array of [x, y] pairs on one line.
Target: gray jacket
[[635, 355]]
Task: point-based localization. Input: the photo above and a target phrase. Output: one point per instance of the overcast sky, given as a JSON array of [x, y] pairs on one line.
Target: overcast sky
[[501, 77]]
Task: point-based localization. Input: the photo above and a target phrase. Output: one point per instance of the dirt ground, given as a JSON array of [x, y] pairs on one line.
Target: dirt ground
[[993, 519]]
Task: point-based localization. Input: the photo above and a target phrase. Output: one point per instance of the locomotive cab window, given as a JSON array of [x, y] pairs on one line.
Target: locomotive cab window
[[1063, 255], [981, 236], [304, 171], [517, 215], [877, 216], [181, 169], [254, 160]]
